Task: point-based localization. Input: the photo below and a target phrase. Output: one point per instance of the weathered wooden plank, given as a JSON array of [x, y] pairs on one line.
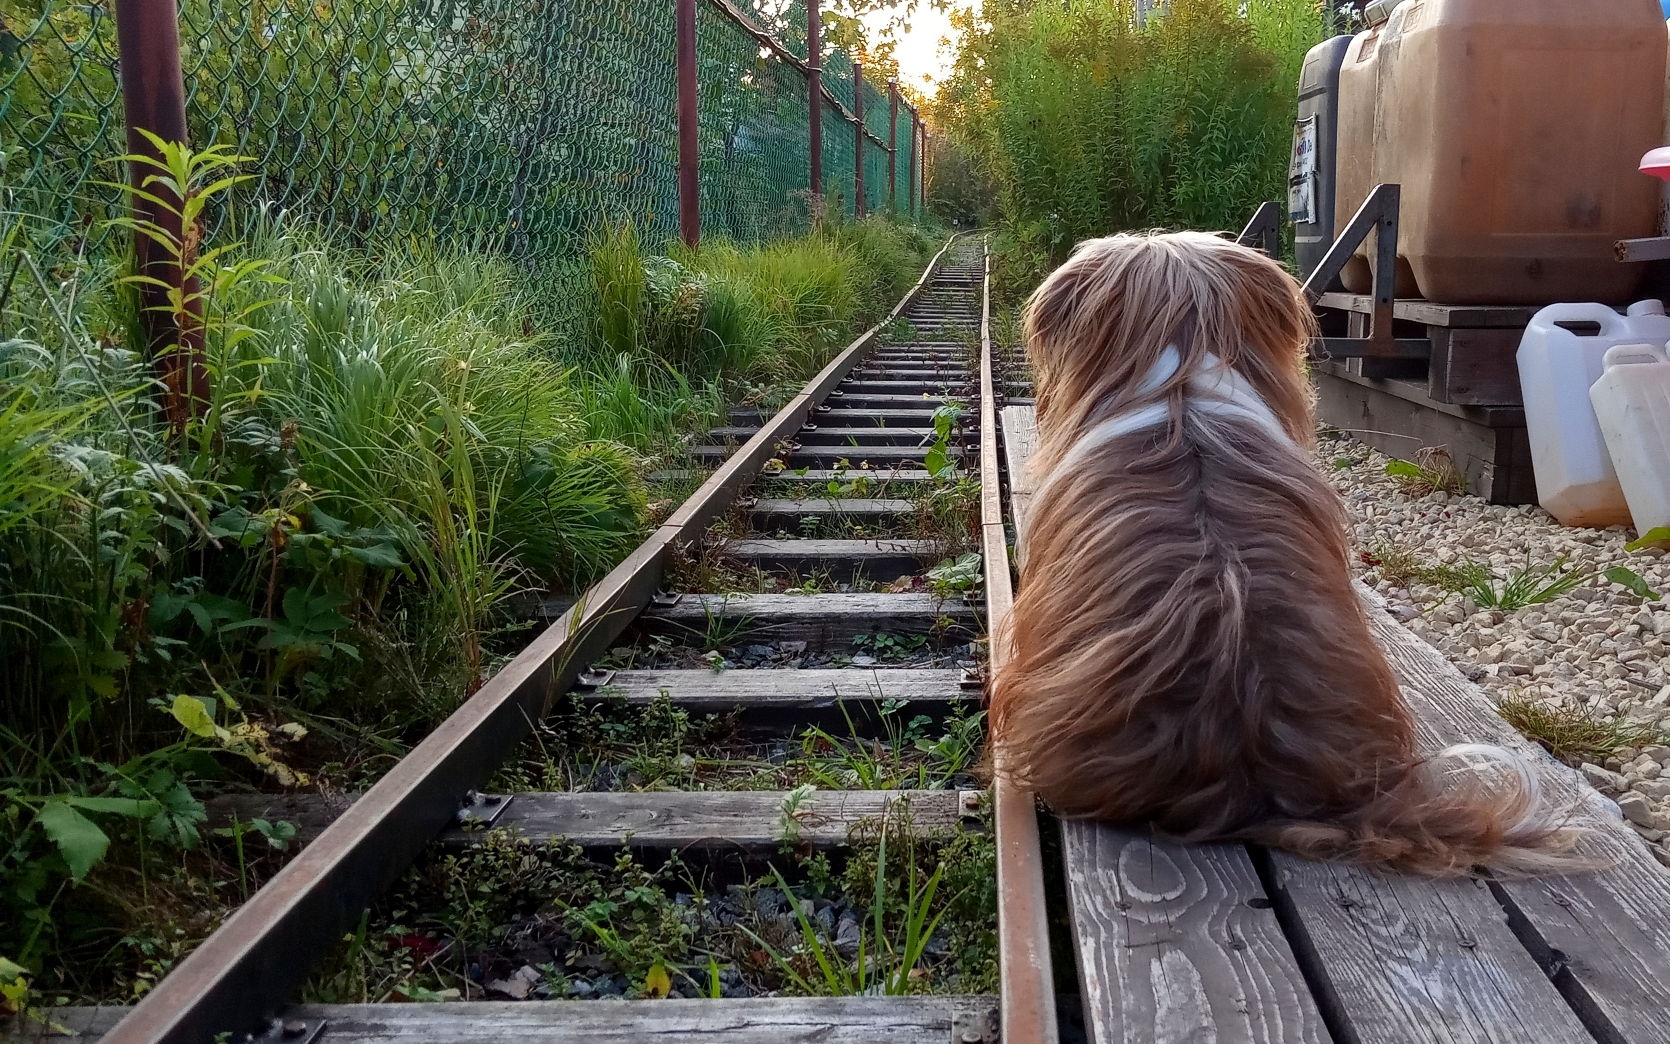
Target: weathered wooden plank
[[880, 560], [720, 819], [863, 438], [858, 399], [1020, 442], [656, 819], [858, 417], [1179, 944], [756, 1020], [1474, 367], [1413, 959], [874, 475], [1436, 314], [820, 619], [882, 386], [858, 455], [769, 513], [1603, 936], [786, 690]]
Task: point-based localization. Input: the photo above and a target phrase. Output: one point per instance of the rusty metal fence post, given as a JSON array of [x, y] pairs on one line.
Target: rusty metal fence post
[[154, 95], [858, 139], [689, 184], [910, 172], [814, 101], [892, 143]]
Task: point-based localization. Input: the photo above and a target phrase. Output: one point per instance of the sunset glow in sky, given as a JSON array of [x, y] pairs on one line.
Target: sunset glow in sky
[[923, 59]]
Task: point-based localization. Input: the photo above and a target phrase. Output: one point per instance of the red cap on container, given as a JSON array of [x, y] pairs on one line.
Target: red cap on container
[[1657, 163]]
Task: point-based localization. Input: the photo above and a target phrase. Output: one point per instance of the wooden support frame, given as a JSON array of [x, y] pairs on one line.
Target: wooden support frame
[[1264, 230], [1378, 214]]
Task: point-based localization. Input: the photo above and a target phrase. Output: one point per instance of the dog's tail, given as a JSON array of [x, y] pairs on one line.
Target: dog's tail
[[1472, 805]]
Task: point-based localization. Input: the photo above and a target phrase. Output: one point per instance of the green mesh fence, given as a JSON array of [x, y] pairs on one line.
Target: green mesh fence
[[511, 123]]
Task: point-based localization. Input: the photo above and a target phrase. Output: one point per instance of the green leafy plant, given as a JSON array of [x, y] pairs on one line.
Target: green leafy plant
[[938, 459], [956, 576]]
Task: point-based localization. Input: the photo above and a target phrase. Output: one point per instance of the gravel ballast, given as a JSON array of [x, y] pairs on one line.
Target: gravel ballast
[[1598, 648]]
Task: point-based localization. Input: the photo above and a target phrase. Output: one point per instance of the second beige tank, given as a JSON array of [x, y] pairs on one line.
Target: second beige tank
[[1515, 128]]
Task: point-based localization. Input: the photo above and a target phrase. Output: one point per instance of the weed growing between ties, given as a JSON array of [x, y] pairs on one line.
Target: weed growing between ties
[[900, 913], [605, 744]]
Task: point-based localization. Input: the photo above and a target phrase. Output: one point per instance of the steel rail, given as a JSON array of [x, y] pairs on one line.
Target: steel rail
[[776, 46], [240, 977], [1026, 979]]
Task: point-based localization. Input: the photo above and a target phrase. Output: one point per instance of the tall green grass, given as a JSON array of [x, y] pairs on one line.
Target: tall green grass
[[677, 335], [1089, 123], [320, 568]]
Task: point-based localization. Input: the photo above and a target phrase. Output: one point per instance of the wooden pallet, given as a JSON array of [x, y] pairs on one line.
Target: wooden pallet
[[1232, 943]]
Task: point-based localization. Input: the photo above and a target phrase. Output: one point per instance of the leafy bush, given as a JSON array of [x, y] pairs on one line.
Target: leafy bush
[[1089, 122]]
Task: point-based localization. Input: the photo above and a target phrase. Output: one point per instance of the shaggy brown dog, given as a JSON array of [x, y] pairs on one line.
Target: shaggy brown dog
[[1187, 649]]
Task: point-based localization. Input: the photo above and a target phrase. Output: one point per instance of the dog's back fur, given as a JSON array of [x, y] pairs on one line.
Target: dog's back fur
[[1186, 649]]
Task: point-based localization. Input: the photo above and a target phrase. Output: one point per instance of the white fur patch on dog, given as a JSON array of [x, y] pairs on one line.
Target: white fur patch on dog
[[1216, 390]]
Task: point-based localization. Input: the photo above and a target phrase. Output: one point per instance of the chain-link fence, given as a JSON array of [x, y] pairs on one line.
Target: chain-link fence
[[516, 123]]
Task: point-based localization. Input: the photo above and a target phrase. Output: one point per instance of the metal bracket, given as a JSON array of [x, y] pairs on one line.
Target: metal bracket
[[593, 679], [1264, 230], [481, 810], [289, 1031], [664, 600], [1378, 214], [825, 409], [972, 678], [837, 393], [808, 427]]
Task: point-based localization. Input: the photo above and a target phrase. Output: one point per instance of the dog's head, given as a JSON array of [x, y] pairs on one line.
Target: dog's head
[[1099, 324]]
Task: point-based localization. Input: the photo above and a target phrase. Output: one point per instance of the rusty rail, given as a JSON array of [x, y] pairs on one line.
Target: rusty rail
[[1027, 990], [239, 978]]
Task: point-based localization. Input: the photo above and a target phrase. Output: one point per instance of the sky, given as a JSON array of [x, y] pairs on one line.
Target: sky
[[921, 54]]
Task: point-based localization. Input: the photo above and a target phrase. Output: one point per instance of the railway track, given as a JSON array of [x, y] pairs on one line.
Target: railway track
[[823, 510]]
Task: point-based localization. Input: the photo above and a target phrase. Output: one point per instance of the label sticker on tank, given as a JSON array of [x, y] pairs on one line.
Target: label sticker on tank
[[1301, 172]]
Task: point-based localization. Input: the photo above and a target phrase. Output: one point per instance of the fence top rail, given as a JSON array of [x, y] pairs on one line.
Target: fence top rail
[[806, 68]]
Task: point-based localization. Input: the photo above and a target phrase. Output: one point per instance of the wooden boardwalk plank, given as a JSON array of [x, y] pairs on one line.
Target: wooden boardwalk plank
[[1412, 959], [755, 1020], [654, 819], [797, 690], [1179, 944], [820, 619], [1603, 936]]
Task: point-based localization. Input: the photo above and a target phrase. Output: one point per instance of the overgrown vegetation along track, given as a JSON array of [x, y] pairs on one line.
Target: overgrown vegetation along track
[[830, 838]]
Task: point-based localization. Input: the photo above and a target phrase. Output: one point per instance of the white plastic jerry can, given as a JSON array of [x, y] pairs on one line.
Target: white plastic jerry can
[[1632, 404], [1562, 355]]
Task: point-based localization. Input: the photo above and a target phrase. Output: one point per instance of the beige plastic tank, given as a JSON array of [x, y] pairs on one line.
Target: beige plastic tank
[[1515, 128]]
